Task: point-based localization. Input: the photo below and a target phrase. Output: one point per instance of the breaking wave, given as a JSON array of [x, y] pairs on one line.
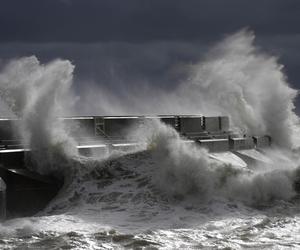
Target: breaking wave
[[38, 94], [169, 183], [235, 78]]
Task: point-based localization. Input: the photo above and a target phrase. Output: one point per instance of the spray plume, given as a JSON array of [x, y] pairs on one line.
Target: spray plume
[[239, 80], [38, 94], [235, 78]]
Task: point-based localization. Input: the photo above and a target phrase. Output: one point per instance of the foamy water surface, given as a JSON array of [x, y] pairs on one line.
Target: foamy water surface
[[165, 194]]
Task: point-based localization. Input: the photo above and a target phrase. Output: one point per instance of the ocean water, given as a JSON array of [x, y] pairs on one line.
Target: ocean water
[[119, 203], [167, 194]]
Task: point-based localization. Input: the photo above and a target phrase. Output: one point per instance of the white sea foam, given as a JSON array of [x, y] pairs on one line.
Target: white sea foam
[[235, 78], [38, 94], [186, 169], [242, 81], [167, 193]]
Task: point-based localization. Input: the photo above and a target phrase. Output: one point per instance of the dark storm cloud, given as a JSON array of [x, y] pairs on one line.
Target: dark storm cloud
[[121, 43], [140, 20], [117, 63]]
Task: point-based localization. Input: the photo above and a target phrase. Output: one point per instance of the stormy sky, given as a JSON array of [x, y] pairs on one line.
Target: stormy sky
[[121, 43]]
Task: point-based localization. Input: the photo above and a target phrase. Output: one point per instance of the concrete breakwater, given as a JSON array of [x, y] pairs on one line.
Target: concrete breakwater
[[27, 191]]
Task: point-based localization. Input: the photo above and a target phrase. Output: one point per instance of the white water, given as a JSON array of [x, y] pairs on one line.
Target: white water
[[174, 195]]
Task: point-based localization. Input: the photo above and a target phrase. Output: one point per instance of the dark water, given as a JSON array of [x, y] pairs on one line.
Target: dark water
[[121, 203]]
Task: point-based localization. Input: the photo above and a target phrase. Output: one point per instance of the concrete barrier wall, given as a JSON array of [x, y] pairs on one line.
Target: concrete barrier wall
[[190, 125], [193, 127], [119, 127], [215, 145], [8, 129], [224, 123], [2, 200], [211, 124], [80, 127], [14, 158], [171, 121], [262, 141], [94, 150], [241, 143], [124, 147]]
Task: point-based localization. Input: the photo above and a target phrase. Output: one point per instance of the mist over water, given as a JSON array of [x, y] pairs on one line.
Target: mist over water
[[166, 190], [239, 80], [235, 78]]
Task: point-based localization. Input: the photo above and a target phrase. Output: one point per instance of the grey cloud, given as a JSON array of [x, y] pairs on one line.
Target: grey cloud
[[142, 20], [114, 65], [163, 64], [119, 44]]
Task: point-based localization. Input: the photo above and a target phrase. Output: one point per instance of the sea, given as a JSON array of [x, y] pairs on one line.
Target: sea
[[167, 193], [172, 195]]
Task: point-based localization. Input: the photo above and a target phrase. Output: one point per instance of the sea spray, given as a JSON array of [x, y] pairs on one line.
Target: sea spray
[[185, 169], [235, 77], [169, 180], [145, 194], [38, 94], [239, 80]]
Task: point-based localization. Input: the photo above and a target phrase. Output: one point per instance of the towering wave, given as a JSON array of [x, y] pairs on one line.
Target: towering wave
[[38, 94], [167, 184], [184, 170], [235, 79], [249, 85]]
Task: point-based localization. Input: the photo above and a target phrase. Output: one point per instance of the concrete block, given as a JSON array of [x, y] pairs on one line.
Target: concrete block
[[190, 125], [166, 119], [215, 145], [8, 129], [262, 141], [12, 157], [199, 136], [96, 150], [224, 123], [120, 126], [2, 200], [124, 147], [211, 124], [241, 143], [80, 126], [171, 121]]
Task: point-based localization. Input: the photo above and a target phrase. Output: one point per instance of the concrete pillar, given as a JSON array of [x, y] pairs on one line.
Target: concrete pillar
[[2, 200]]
